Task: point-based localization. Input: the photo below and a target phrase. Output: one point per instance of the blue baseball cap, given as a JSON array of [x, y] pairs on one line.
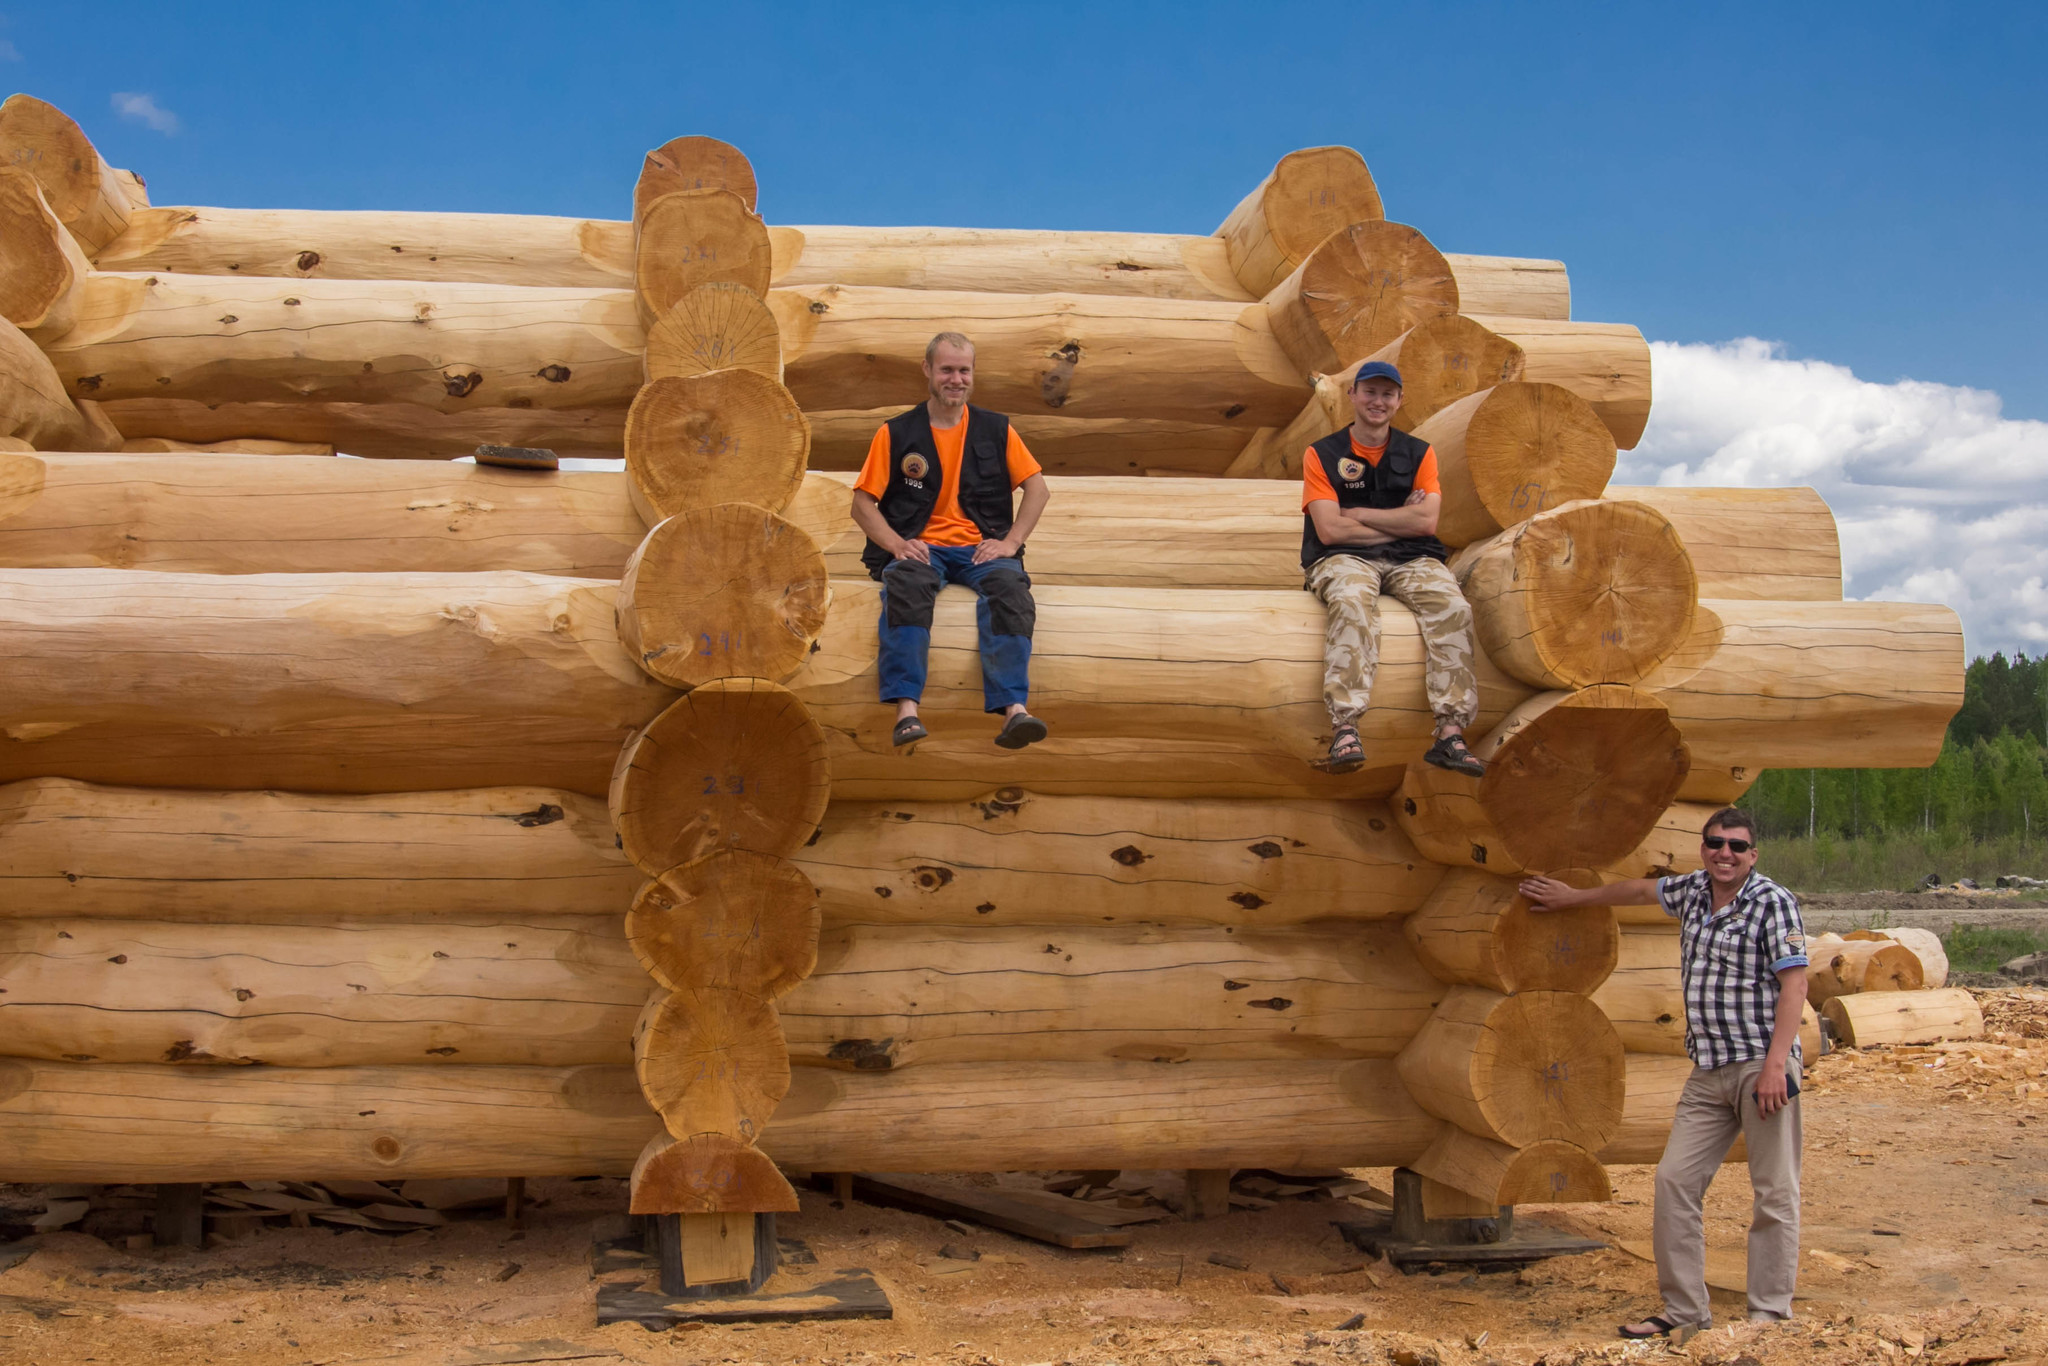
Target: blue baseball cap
[[1376, 369]]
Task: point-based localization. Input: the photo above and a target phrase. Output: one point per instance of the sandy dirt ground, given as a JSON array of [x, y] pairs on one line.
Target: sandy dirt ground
[[1926, 1237]]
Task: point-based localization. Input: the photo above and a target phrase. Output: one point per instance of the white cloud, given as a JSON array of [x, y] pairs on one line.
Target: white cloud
[[1938, 497], [144, 109]]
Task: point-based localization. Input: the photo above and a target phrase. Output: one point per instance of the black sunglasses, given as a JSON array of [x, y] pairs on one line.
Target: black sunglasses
[[1719, 841]]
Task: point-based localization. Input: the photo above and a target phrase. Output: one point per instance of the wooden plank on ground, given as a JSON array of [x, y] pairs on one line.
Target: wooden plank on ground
[[994, 1208], [850, 1294], [1109, 1216]]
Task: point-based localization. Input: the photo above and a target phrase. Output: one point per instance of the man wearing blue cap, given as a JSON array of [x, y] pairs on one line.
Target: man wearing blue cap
[[1369, 504]]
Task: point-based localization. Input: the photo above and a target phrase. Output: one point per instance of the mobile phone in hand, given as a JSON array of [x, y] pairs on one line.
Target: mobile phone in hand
[[1791, 1088]]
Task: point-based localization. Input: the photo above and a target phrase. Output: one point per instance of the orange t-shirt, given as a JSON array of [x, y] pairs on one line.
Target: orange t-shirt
[[1315, 483], [947, 526]]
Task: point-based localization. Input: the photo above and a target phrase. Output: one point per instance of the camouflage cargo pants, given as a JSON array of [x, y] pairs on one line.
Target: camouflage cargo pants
[[1350, 588]]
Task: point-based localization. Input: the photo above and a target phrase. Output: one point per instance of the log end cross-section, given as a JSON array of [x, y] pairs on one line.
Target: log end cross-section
[[42, 269], [697, 237], [1550, 1172], [1506, 453], [727, 591], [722, 326], [693, 162], [1595, 591], [1357, 292], [736, 764], [87, 195], [1477, 930], [708, 1174], [1519, 1069], [711, 1061], [733, 919], [1309, 195], [724, 436]]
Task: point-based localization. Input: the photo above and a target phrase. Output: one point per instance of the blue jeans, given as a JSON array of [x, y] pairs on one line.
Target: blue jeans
[[1004, 614]]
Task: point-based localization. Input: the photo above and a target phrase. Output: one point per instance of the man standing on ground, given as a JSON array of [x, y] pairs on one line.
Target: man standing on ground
[[1742, 963], [1369, 503], [934, 499]]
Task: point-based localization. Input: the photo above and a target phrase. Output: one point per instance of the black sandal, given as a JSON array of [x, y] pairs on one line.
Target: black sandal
[[1020, 730], [1449, 752], [908, 732], [1347, 751]]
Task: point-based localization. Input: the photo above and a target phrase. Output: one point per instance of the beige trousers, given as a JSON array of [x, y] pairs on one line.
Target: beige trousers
[[1350, 588], [1712, 1110]]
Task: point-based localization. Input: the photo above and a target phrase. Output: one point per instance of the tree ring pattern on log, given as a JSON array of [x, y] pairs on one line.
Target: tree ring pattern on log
[[711, 1060], [727, 591], [1476, 929], [708, 1174], [1519, 1069], [1358, 291], [722, 436], [715, 327], [697, 237], [735, 764], [694, 162], [734, 919]]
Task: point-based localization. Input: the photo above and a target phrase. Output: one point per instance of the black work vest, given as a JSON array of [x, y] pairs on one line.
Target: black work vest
[[915, 478], [1361, 484]]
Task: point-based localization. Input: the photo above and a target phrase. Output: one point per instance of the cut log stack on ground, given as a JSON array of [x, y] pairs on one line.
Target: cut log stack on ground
[[431, 819]]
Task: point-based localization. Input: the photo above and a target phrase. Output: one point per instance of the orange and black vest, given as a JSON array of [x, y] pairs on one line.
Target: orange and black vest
[[915, 478], [1362, 484]]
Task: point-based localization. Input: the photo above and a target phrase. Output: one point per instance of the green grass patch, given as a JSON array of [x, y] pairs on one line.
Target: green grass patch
[[1897, 863], [1975, 948]]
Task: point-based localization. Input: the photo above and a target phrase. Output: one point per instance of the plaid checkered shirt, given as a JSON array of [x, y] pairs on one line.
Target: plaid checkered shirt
[[1729, 964]]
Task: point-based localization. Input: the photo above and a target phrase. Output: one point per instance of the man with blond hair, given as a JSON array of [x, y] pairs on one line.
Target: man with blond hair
[[936, 499]]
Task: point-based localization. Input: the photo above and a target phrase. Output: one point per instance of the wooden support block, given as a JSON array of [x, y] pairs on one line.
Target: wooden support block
[[1208, 1193], [515, 1201], [712, 1255], [180, 1214]]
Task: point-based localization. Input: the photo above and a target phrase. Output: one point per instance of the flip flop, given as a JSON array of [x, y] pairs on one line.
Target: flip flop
[[908, 732], [1661, 1327], [1020, 730]]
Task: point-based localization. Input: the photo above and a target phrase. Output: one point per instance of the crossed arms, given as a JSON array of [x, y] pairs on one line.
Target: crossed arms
[[1375, 526]]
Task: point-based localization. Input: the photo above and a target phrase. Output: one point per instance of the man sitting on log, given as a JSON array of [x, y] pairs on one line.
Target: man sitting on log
[[934, 498], [1369, 502], [1742, 964]]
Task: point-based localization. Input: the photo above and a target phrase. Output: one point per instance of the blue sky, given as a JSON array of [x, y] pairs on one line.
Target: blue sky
[[1864, 183]]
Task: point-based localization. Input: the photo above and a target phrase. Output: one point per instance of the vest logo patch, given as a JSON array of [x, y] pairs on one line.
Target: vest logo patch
[[1350, 469], [915, 466]]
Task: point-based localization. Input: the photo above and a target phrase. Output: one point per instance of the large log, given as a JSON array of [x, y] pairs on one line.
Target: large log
[[1607, 364], [42, 269], [686, 239], [1363, 287], [887, 996], [545, 990], [1477, 930], [693, 162], [734, 919], [216, 514], [475, 856], [462, 248], [89, 197], [142, 1123], [384, 431], [318, 682], [1012, 857], [1775, 544], [1573, 780], [715, 327], [33, 404], [1081, 356], [1594, 591], [1519, 1069], [1925, 944], [446, 347], [1898, 1017], [1644, 998], [1544, 1173], [711, 1060], [724, 436], [1509, 452], [1847, 968], [1241, 667], [728, 590], [1308, 195], [1811, 685], [104, 1122], [736, 764]]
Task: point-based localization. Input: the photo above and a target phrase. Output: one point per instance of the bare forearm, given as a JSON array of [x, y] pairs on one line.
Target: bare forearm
[[1548, 894], [1412, 519], [867, 515], [1791, 1012], [1029, 508]]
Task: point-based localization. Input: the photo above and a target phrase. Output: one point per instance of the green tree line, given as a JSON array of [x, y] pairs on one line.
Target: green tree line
[[1990, 783]]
